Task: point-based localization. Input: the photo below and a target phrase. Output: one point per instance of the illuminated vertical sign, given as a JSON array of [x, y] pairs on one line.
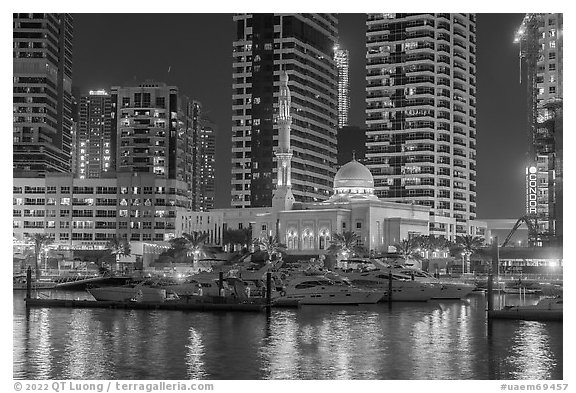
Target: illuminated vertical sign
[[531, 190]]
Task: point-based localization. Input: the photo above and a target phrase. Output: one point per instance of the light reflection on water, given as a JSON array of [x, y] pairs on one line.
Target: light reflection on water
[[434, 340]]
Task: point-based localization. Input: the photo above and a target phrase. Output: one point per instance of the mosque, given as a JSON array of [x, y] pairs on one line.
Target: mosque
[[307, 228]]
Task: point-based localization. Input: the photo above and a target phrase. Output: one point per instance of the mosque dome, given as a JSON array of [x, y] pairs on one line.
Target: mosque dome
[[353, 175]]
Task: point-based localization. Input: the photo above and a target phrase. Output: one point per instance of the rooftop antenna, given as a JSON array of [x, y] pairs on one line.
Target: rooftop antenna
[[354, 155]]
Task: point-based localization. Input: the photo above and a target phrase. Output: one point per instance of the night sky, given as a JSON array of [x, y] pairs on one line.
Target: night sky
[[124, 49]]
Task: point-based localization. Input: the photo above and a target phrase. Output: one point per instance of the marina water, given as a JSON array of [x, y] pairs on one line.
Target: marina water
[[432, 340]]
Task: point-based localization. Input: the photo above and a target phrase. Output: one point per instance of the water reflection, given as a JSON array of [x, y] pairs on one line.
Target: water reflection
[[434, 340], [194, 356], [530, 352]]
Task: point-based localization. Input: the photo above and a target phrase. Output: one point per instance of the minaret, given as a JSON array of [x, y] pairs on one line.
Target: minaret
[[283, 198]]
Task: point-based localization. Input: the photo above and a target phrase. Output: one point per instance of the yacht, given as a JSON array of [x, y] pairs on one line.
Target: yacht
[[547, 309], [319, 290], [444, 289], [404, 289], [146, 291]]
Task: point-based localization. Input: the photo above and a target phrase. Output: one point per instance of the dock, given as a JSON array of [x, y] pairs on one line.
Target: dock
[[180, 305], [526, 315]]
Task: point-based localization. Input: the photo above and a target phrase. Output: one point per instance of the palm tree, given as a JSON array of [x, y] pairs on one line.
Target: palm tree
[[196, 244], [270, 245], [410, 249], [345, 243], [468, 245], [433, 243], [118, 247], [40, 241], [237, 236]]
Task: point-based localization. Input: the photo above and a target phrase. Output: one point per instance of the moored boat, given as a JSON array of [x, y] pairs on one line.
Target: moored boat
[[444, 289], [321, 290], [146, 291], [404, 289], [547, 309]]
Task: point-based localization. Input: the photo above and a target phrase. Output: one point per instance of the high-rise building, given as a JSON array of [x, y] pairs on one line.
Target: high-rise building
[[302, 45], [421, 113], [153, 129], [207, 164], [42, 83], [343, 66], [93, 138], [541, 49]]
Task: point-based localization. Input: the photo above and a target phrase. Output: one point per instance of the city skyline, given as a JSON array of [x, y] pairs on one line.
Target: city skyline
[[499, 151], [187, 206]]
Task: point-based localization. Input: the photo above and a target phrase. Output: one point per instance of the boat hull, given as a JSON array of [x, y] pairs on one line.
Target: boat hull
[[126, 294], [454, 291], [330, 298]]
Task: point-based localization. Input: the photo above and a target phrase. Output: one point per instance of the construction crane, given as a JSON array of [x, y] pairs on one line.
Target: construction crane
[[535, 237]]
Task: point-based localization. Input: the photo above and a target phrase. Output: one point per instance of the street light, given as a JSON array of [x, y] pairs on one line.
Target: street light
[[462, 253]]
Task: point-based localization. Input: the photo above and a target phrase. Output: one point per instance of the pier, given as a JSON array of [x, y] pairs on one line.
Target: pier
[[180, 305]]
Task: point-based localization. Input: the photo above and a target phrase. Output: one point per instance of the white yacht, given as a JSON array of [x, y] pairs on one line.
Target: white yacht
[[404, 289], [322, 290], [445, 289], [140, 292]]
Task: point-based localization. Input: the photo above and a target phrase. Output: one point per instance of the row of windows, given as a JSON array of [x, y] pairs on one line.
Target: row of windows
[[99, 190], [107, 236]]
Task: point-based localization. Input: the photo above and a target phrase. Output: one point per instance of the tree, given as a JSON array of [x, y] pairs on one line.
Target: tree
[[410, 249], [432, 243], [118, 247], [40, 241], [345, 243], [270, 245], [468, 245], [237, 236], [196, 244]]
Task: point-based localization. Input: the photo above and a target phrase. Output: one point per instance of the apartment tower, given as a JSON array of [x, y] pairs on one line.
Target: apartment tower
[[303, 46], [421, 114], [154, 131], [42, 89], [540, 38], [341, 57], [207, 161], [93, 138]]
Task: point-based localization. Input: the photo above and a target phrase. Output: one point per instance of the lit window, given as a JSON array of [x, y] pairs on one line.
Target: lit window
[[552, 44], [410, 45]]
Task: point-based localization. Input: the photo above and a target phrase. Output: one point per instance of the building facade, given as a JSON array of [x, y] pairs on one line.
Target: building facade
[[207, 164], [302, 45], [421, 114], [89, 212], [341, 58], [93, 137], [42, 91], [541, 50], [154, 129]]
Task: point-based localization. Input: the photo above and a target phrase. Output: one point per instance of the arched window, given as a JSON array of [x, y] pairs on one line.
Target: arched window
[[324, 239], [292, 239], [307, 239]]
